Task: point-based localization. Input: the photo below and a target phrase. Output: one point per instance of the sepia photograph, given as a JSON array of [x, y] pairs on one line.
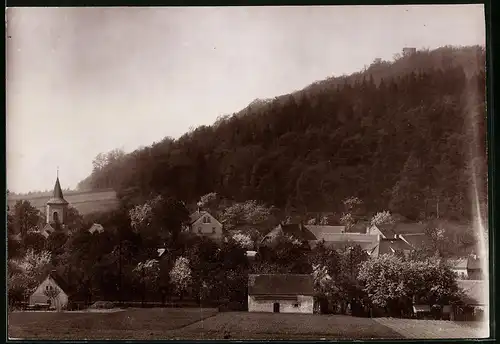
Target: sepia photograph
[[247, 173]]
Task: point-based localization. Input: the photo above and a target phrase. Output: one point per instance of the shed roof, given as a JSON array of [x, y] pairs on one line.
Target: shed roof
[[388, 246], [59, 280], [460, 263], [367, 242], [295, 230], [196, 215], [360, 227], [321, 230], [474, 263], [417, 240], [96, 227], [284, 284]]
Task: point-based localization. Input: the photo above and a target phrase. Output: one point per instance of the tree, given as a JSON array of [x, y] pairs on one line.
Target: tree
[[407, 196], [73, 219], [14, 248], [25, 273], [382, 217], [382, 278], [244, 216], [11, 230], [148, 273], [181, 276], [352, 207], [34, 241], [394, 283], [352, 204], [348, 221], [287, 252], [160, 218], [141, 216], [243, 240], [26, 217], [209, 202]]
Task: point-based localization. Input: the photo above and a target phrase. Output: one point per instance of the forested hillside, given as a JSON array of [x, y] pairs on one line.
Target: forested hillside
[[407, 136]]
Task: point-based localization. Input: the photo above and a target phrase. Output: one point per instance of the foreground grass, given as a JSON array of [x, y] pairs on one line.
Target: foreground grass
[[243, 325], [192, 323], [133, 323]]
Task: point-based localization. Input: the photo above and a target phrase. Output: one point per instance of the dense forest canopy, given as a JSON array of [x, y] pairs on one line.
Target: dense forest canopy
[[407, 135]]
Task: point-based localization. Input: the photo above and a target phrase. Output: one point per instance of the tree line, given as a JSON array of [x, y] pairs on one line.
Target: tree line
[[408, 136]]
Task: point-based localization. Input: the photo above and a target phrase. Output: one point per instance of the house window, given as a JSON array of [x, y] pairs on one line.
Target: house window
[[295, 305], [55, 216], [213, 230], [206, 219], [199, 229], [46, 287]]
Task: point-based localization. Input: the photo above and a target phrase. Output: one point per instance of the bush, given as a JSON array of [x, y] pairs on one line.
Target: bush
[[102, 305], [75, 306]]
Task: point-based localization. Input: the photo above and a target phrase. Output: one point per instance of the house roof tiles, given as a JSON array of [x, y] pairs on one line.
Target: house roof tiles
[[320, 230], [297, 231], [57, 197], [391, 245], [456, 264], [285, 284]]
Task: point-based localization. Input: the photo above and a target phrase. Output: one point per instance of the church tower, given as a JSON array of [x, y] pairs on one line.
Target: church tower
[[57, 206]]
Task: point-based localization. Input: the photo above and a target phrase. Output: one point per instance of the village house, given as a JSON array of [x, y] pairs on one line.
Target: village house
[[203, 223], [467, 268], [287, 293], [52, 293], [459, 267], [372, 242], [475, 301], [393, 230], [474, 268], [96, 227], [390, 245]]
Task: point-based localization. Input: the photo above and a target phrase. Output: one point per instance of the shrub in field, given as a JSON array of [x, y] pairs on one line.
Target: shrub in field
[[102, 305]]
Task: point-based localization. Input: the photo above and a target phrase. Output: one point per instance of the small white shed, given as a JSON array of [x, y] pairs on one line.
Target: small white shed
[[281, 293]]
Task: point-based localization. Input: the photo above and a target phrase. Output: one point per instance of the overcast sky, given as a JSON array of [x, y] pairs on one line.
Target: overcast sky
[[81, 81]]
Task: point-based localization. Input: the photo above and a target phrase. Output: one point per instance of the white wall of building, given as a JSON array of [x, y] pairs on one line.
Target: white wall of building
[[39, 296], [303, 304]]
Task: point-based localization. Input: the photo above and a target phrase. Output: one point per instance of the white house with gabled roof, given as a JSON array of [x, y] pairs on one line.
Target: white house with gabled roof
[[205, 224]]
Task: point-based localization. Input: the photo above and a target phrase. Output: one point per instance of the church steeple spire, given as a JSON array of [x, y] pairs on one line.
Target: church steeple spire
[[57, 206], [57, 197]]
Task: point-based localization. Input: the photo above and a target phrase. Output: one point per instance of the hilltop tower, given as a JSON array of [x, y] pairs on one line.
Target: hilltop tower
[[57, 205]]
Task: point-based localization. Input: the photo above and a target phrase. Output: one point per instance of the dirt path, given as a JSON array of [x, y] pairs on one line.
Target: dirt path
[[433, 329]]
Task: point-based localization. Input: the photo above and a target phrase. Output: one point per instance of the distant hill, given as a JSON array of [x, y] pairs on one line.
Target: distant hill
[[85, 202], [400, 135]]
